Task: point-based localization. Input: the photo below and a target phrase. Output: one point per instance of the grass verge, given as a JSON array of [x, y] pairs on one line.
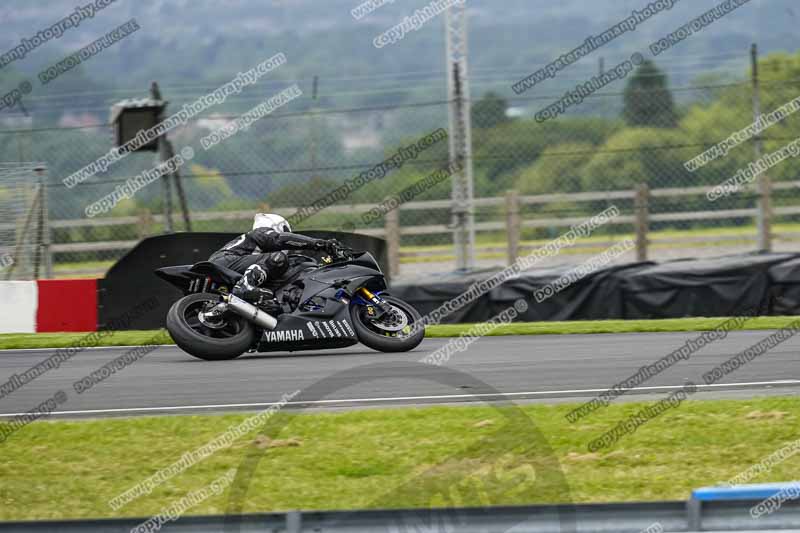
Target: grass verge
[[613, 326], [403, 457], [10, 341]]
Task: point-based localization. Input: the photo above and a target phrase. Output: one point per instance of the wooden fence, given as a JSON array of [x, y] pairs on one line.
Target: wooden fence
[[638, 216]]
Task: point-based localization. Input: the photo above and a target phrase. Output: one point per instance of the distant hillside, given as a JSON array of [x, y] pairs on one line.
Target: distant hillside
[[196, 43]]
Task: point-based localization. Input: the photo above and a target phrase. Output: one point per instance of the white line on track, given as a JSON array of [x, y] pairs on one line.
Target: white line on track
[[402, 398]]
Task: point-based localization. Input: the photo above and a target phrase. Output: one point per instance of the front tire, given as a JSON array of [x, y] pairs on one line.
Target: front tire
[[211, 344], [374, 337]]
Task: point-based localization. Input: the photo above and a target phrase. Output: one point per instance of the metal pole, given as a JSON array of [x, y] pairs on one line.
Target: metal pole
[[163, 155], [763, 185], [314, 128], [45, 238], [463, 214], [37, 254], [187, 223]]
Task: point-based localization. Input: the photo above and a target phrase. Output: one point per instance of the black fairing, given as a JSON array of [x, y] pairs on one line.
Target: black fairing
[[328, 324], [179, 276]]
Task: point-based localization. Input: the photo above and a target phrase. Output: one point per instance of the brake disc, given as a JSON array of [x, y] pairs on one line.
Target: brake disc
[[394, 320]]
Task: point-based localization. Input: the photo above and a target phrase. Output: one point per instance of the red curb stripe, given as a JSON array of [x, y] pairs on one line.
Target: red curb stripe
[[66, 305]]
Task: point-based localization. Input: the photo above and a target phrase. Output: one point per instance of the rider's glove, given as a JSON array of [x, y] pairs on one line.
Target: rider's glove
[[330, 246], [333, 246]]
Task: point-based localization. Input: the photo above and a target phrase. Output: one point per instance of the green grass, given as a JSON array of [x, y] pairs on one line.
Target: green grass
[[10, 341], [613, 326], [404, 457]]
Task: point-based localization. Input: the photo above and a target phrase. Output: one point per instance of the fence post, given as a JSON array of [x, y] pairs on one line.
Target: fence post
[[145, 223], [642, 223], [513, 225], [392, 227], [765, 213]]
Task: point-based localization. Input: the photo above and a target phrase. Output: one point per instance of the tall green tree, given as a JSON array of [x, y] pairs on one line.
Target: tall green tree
[[648, 101], [489, 111]]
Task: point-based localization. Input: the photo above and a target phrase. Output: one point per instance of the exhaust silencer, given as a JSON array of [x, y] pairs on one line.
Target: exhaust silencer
[[251, 312]]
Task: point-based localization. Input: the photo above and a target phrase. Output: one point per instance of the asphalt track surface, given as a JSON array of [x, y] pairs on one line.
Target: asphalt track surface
[[553, 368]]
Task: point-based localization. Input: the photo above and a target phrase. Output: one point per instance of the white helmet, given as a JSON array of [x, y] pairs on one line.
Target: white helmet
[[267, 220]]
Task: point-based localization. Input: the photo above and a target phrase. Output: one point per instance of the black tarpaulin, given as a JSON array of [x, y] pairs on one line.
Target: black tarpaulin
[[784, 295], [720, 286]]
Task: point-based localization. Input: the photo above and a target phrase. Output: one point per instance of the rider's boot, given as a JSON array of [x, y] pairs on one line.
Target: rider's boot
[[248, 287]]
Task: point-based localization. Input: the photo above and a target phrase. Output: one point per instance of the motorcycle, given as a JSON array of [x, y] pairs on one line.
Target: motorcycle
[[333, 303]]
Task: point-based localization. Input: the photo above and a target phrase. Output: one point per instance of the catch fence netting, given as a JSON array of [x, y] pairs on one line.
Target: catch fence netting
[[557, 172]]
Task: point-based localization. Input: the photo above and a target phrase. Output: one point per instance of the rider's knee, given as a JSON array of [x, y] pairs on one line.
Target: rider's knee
[[254, 276], [277, 263]]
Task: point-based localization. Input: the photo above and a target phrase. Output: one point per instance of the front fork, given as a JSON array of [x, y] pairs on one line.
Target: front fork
[[377, 307]]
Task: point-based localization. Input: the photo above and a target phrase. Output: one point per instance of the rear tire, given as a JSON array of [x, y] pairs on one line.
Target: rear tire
[[371, 338], [203, 342]]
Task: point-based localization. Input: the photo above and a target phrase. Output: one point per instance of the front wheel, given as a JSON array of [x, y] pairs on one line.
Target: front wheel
[[226, 337], [394, 332]]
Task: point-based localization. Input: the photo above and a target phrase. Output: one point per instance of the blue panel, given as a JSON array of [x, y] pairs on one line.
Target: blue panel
[[742, 492]]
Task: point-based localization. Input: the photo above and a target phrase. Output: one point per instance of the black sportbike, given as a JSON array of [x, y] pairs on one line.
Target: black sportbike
[[332, 303]]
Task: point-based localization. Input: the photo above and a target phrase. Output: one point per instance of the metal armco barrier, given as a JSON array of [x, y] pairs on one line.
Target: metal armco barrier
[[675, 516]]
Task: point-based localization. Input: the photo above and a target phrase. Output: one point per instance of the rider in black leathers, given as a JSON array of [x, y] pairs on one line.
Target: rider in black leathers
[[259, 254]]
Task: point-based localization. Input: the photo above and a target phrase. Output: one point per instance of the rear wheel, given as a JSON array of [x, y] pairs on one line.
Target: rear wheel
[[394, 332], [215, 339]]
